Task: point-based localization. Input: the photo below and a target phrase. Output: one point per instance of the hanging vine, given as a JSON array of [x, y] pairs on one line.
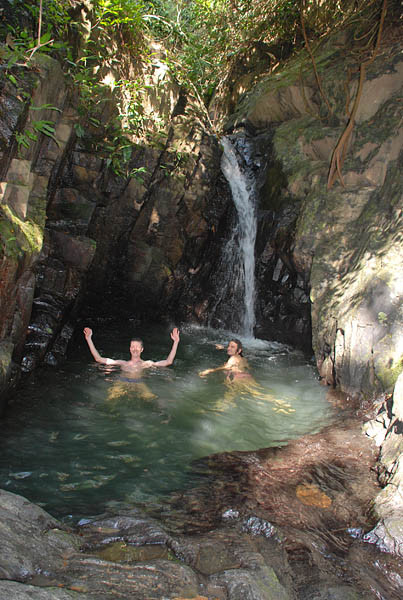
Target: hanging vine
[[315, 70], [340, 151]]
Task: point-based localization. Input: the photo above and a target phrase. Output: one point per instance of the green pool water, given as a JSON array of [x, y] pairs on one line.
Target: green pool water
[[78, 439]]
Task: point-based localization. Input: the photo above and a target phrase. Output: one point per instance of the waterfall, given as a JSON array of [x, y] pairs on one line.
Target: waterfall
[[239, 253]]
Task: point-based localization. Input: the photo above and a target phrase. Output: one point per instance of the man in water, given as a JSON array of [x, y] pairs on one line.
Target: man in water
[[132, 368], [136, 364], [236, 365]]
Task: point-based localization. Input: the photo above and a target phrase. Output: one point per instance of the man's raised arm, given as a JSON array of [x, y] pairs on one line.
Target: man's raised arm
[[94, 351], [171, 356]]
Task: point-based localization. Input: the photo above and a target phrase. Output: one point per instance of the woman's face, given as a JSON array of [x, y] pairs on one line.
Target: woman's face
[[232, 348]]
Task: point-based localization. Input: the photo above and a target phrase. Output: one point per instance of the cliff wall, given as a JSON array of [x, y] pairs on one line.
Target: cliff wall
[[342, 240]]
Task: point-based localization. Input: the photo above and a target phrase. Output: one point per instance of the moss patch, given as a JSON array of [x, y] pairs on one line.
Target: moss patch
[[18, 236], [389, 373]]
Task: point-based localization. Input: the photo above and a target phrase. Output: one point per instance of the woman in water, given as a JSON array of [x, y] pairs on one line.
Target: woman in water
[[240, 379], [236, 366]]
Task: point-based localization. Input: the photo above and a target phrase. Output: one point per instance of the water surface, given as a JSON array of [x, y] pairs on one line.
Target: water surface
[[79, 439]]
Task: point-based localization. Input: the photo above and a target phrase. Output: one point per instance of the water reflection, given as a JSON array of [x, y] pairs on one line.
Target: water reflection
[[81, 437]]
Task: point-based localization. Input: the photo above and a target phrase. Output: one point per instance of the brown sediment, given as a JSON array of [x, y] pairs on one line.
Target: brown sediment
[[323, 482]]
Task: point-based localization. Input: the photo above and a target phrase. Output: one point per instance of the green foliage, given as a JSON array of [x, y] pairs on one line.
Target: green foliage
[[111, 13], [207, 35], [25, 137], [19, 28], [383, 318], [8, 240], [204, 40], [22, 15], [94, 77], [32, 131], [117, 152]]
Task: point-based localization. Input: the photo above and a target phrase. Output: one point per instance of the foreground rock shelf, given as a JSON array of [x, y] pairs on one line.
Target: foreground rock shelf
[[276, 524], [129, 556]]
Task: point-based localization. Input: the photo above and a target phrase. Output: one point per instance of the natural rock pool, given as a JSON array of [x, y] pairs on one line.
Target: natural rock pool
[[178, 486], [79, 440]]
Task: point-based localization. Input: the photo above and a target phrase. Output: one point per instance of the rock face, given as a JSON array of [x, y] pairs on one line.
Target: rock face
[[341, 246], [26, 179], [152, 236]]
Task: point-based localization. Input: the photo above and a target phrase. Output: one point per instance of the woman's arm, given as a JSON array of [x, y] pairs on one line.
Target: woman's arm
[[232, 364], [208, 371]]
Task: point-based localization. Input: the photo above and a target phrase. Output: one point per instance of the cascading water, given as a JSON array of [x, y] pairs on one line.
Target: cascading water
[[238, 263]]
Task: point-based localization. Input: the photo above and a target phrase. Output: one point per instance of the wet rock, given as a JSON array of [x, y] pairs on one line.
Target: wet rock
[[74, 251], [377, 571], [6, 349], [258, 526], [123, 553], [262, 584], [306, 495], [134, 529], [388, 534], [129, 555], [71, 211], [341, 592], [151, 580], [21, 591], [31, 540]]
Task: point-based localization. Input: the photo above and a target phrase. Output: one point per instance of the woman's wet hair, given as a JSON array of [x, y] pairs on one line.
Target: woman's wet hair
[[238, 345]]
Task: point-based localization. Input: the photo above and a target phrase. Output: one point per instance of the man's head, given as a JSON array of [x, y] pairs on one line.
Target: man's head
[[234, 347], [136, 346]]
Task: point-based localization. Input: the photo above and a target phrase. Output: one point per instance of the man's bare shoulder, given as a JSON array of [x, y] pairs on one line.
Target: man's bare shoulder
[[146, 364]]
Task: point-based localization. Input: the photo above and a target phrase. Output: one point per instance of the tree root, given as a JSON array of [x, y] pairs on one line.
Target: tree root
[[340, 151]]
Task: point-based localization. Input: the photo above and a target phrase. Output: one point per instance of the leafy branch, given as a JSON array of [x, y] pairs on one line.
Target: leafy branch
[[34, 129]]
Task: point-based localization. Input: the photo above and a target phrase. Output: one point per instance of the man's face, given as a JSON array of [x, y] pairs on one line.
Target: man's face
[[232, 348], [136, 348]]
